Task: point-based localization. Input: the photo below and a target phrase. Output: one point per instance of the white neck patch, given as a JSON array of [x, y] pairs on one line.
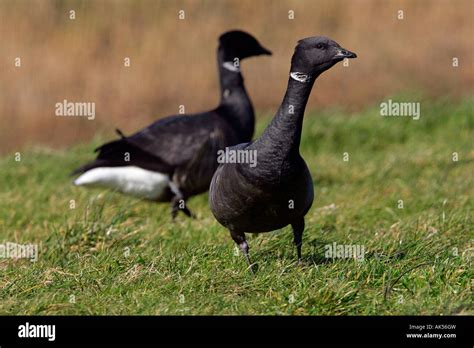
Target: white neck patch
[[300, 77], [230, 66]]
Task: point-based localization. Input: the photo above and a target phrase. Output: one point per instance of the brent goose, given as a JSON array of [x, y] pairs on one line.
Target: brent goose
[[278, 190], [175, 157]]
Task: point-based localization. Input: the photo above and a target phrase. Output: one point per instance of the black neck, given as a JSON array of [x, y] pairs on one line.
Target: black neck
[[283, 135], [229, 80], [234, 103]]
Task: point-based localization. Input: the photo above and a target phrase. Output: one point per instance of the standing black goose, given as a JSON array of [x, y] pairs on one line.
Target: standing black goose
[[174, 158], [278, 190]]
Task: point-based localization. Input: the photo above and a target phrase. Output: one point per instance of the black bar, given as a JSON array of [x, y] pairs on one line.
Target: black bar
[[260, 330]]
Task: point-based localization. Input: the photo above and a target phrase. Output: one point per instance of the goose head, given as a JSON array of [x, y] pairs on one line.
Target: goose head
[[239, 44], [314, 55]]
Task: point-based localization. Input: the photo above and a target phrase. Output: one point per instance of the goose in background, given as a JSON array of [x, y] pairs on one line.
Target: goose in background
[[175, 157], [278, 190]]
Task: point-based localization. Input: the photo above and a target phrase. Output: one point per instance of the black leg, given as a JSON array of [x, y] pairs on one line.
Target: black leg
[[176, 203], [187, 212], [174, 207], [239, 238], [298, 229]]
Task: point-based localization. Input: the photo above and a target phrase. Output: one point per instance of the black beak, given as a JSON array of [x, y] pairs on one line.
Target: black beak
[[263, 50], [343, 53]]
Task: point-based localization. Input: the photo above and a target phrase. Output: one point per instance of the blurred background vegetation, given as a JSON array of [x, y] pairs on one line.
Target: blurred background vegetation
[[173, 61]]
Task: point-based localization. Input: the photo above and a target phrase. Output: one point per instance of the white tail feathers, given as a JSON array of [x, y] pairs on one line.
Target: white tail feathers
[[131, 180]]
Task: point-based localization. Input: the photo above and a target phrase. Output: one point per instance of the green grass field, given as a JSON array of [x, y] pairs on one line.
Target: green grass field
[[111, 254]]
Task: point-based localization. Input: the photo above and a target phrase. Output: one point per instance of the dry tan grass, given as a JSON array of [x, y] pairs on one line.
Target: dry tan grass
[[173, 61]]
